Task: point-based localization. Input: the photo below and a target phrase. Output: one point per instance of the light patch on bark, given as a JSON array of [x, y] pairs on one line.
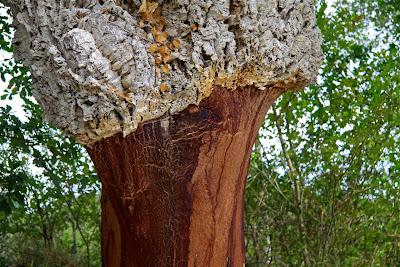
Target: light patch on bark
[[102, 67]]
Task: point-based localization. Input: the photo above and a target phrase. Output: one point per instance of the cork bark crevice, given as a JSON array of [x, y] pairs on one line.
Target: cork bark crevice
[[173, 189]]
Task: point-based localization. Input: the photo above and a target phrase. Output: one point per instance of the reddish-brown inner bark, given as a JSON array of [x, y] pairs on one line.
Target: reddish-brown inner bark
[[173, 191]]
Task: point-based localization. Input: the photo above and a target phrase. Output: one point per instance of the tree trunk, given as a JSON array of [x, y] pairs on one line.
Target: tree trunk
[[168, 97], [173, 190]]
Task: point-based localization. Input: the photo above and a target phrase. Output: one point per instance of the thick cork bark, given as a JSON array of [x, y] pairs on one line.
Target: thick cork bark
[[104, 67], [173, 190], [139, 82]]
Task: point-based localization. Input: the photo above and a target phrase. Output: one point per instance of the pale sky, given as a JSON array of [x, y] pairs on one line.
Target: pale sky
[[16, 103]]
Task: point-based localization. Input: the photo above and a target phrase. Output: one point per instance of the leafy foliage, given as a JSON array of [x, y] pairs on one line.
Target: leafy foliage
[[48, 187], [337, 205]]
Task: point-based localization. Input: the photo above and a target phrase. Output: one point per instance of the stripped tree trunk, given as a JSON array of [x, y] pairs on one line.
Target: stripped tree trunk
[[173, 190], [167, 96]]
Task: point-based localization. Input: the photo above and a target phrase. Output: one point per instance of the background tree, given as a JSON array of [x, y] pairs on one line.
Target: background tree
[[48, 189], [323, 183], [49, 214]]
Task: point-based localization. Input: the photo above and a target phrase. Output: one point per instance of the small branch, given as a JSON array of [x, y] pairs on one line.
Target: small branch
[[294, 175]]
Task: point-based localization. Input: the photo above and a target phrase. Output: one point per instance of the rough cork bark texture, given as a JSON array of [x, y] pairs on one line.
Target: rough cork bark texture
[[173, 190], [102, 67]]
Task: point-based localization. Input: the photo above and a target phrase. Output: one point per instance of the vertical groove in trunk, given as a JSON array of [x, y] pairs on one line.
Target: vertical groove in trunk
[[173, 190]]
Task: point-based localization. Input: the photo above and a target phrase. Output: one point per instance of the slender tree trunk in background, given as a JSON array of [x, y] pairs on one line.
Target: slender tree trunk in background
[[45, 231], [76, 226], [173, 190], [74, 248], [298, 187]]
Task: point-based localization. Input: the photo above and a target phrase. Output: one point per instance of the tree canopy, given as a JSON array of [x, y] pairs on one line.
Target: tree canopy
[[323, 187]]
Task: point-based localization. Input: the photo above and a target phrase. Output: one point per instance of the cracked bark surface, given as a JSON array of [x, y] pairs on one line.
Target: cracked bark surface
[[103, 67], [173, 190]]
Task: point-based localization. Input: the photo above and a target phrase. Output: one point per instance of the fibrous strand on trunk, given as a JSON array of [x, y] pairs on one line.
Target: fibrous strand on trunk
[[102, 67]]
